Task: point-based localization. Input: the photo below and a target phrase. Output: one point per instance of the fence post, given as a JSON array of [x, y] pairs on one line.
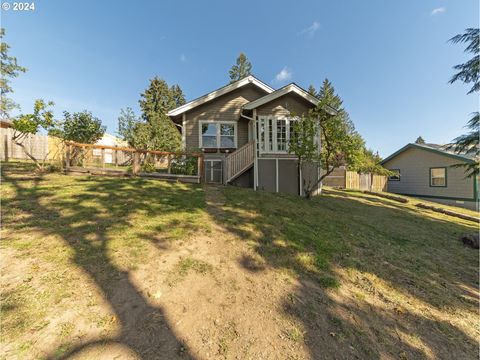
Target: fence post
[[136, 163], [200, 164], [115, 152], [169, 164], [67, 157], [6, 147], [103, 157]]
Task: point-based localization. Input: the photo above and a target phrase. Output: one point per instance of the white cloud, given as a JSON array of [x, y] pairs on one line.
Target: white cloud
[[438, 11], [312, 29], [183, 58], [283, 75]]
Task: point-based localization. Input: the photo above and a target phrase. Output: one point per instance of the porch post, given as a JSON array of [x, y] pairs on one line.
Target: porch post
[[255, 153]]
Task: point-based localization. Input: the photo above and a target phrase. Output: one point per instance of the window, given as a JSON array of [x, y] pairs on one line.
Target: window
[[209, 135], [274, 134], [438, 177], [282, 135], [395, 176], [227, 136], [218, 134]]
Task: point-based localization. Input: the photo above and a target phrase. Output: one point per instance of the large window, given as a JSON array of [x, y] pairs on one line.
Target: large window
[[217, 134], [438, 177], [274, 134]]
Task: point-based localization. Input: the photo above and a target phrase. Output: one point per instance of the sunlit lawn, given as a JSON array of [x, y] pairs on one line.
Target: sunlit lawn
[[392, 280]]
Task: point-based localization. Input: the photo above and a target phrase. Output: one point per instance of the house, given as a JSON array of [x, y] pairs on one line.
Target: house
[[428, 171], [243, 129], [108, 140]]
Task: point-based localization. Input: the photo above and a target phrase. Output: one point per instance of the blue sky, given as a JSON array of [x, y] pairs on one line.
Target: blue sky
[[389, 60]]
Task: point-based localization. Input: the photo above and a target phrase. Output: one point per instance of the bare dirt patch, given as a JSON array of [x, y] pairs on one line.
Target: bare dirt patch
[[140, 269]]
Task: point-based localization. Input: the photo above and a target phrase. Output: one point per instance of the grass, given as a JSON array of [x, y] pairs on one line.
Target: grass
[[388, 280]]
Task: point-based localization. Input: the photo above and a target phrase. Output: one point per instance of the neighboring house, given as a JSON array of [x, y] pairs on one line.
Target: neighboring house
[[108, 140], [244, 129], [427, 171]]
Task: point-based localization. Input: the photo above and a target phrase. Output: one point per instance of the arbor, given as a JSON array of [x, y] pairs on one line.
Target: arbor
[[241, 69], [468, 73], [30, 124], [10, 69], [81, 127], [338, 144]]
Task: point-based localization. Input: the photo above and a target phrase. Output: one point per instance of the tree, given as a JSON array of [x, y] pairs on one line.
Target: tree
[[420, 140], [241, 69], [127, 125], [10, 69], [312, 91], [158, 132], [81, 127], [468, 73], [338, 143], [30, 124]]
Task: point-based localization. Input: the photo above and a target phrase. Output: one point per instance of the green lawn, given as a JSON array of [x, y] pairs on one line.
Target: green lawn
[[104, 267]]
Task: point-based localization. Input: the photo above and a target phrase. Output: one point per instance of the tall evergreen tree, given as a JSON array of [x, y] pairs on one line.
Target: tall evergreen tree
[[159, 132], [468, 73], [420, 140], [10, 69], [312, 91], [241, 69]]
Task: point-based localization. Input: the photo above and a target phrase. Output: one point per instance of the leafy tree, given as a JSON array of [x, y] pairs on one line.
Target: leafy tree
[[158, 132], [10, 69], [468, 73], [127, 125], [369, 163], [241, 69], [30, 124], [81, 127], [420, 140], [338, 143]]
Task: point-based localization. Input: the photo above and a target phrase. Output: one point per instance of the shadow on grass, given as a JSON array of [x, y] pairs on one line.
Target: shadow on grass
[[102, 206], [319, 240]]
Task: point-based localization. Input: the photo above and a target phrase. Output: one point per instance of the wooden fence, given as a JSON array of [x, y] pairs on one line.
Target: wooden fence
[[341, 178], [42, 147], [120, 161], [365, 182]]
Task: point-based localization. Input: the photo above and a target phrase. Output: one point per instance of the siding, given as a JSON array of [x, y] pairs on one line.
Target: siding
[[285, 106], [226, 107], [414, 166]]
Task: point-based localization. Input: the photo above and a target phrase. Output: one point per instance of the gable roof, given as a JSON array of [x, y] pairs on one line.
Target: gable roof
[[438, 149], [219, 92], [290, 88]]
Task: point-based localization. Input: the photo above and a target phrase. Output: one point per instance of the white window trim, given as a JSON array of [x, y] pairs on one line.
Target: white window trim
[[218, 123], [266, 118]]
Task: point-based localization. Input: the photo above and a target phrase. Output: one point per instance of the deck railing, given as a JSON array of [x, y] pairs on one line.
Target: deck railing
[[239, 161]]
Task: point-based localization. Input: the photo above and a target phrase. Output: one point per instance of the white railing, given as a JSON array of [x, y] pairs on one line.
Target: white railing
[[239, 161]]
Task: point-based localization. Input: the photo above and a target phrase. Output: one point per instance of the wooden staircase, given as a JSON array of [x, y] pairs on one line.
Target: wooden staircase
[[239, 161]]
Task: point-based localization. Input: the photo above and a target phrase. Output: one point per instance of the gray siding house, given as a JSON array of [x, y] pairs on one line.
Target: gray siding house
[[243, 129], [428, 171]]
